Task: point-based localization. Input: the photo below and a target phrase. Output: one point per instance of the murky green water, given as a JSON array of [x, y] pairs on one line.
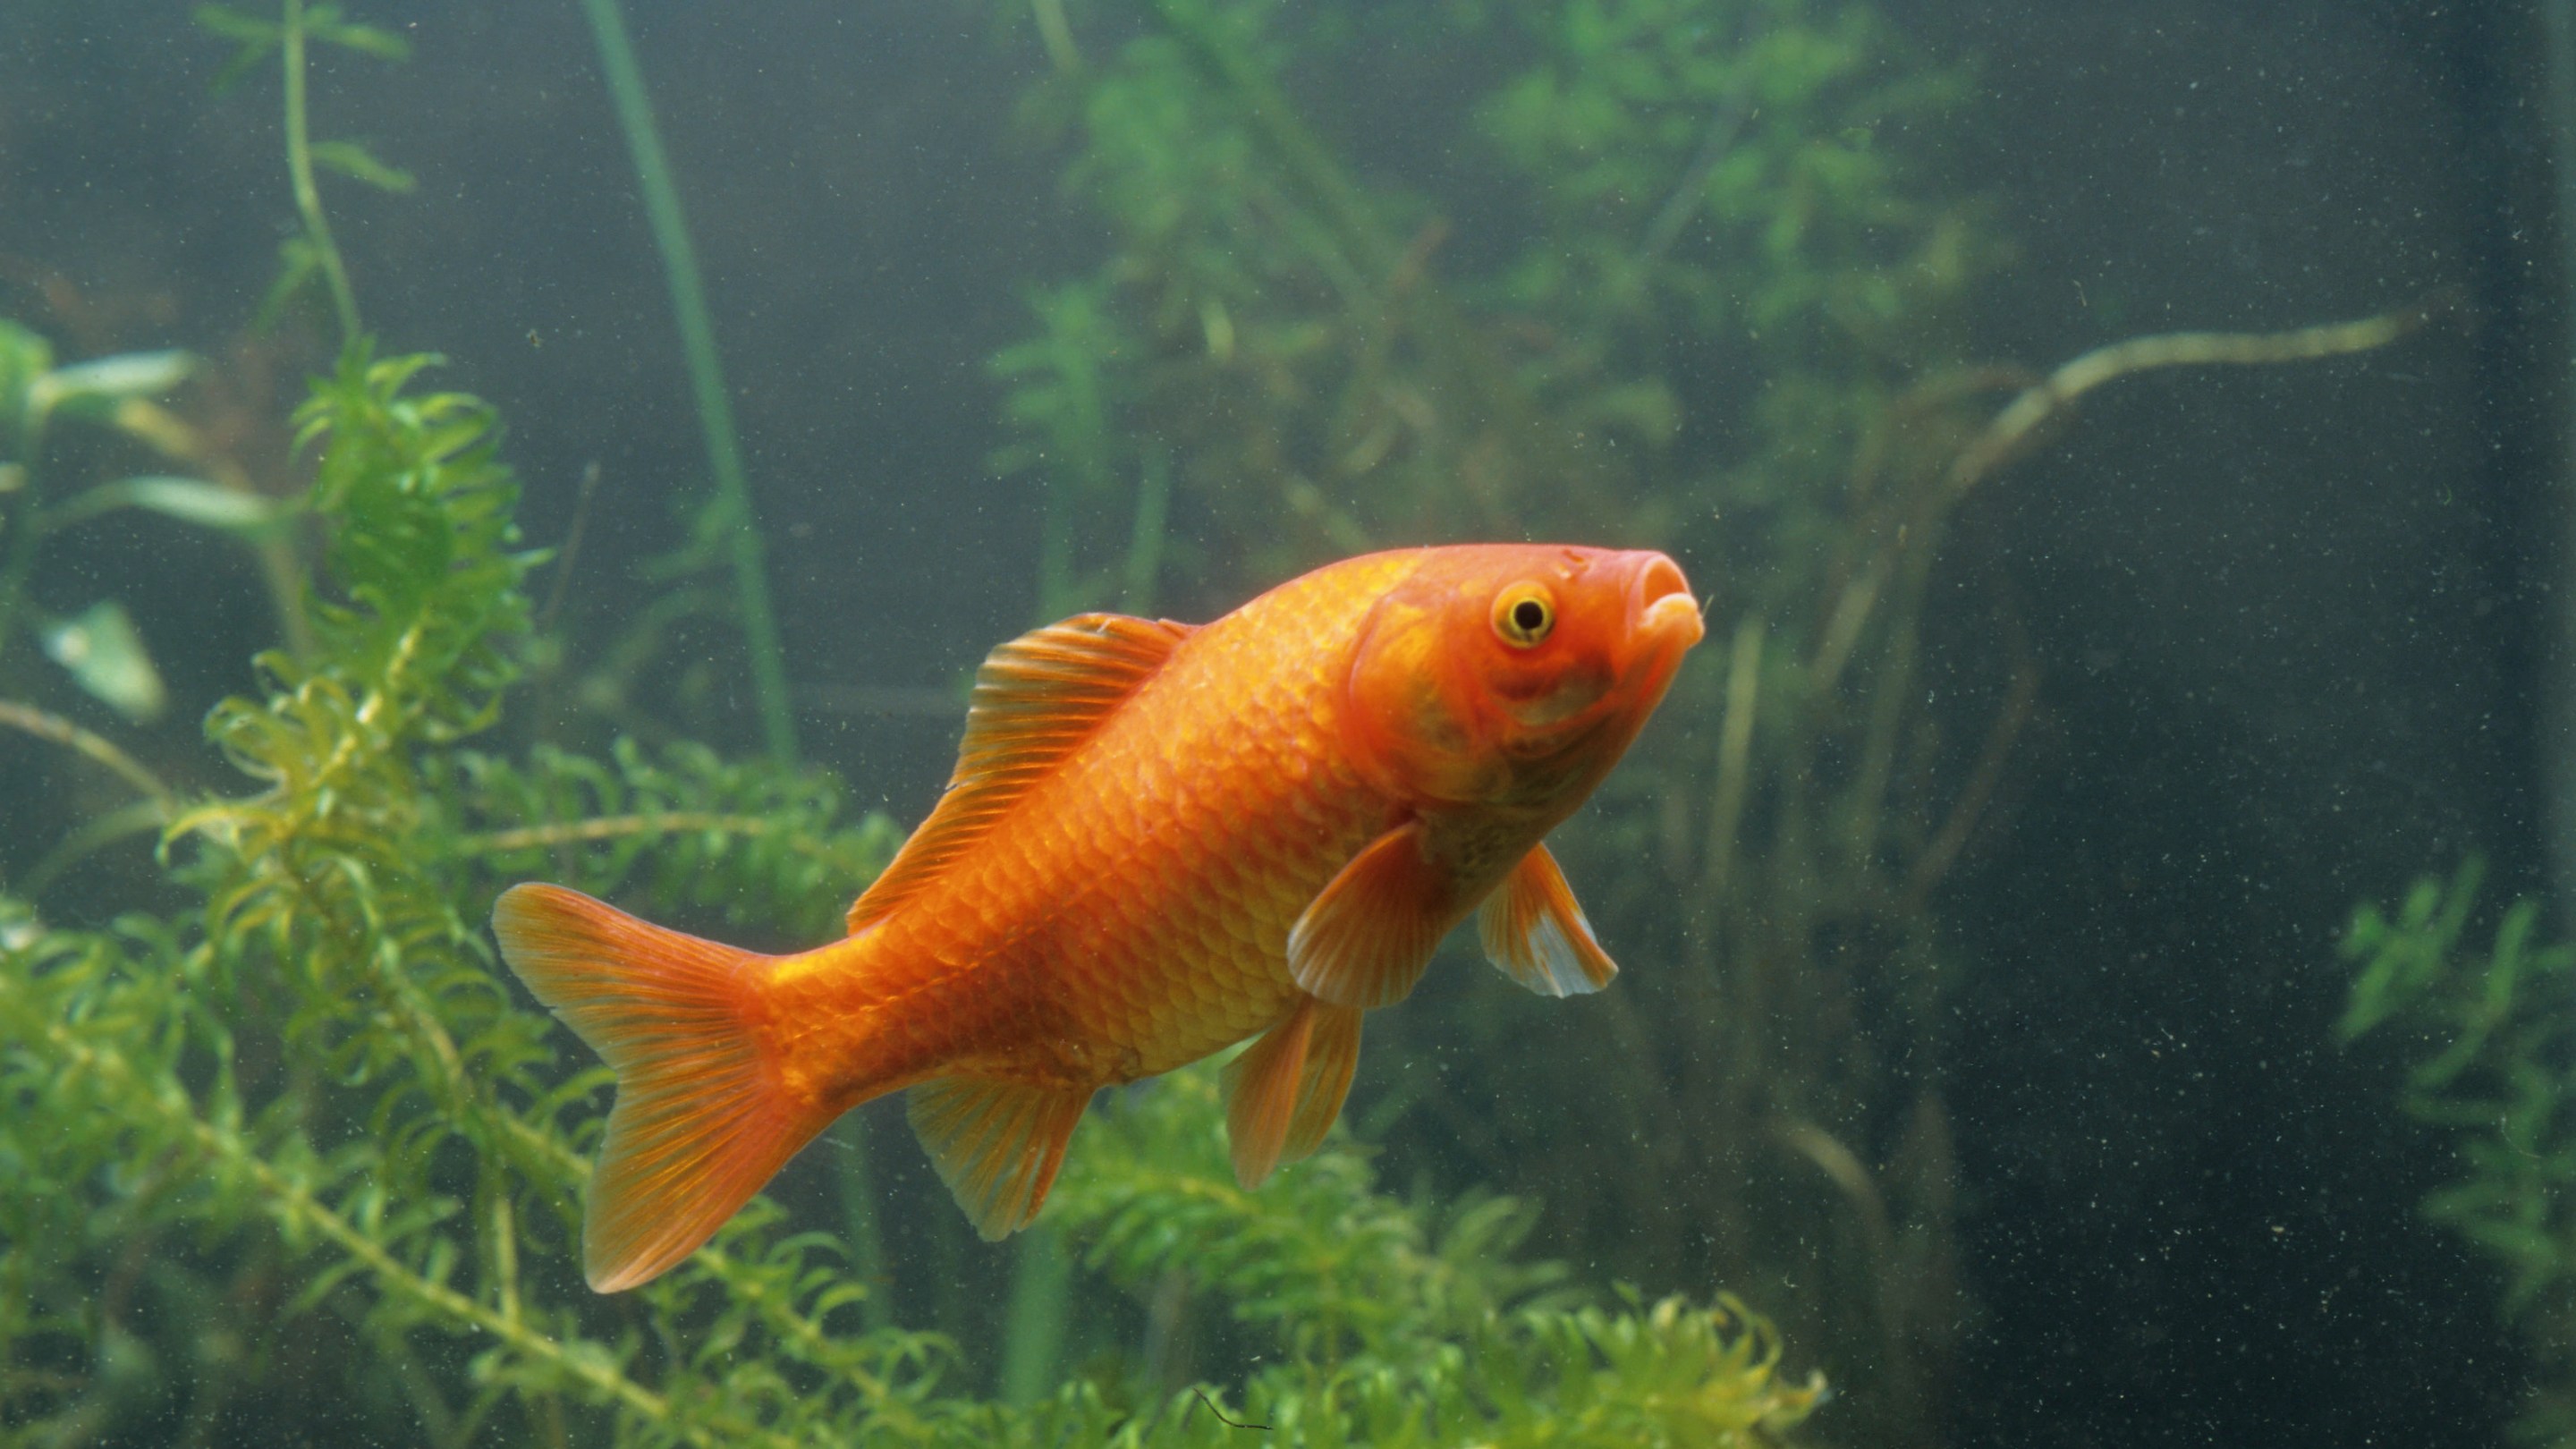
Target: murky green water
[[2118, 450]]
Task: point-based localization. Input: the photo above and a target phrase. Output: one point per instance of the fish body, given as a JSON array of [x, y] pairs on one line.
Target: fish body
[[1160, 840]]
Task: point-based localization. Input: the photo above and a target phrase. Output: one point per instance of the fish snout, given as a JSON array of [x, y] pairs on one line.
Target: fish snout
[[1661, 610]]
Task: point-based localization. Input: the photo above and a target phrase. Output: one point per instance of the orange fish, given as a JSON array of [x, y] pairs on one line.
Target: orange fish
[[1160, 840]]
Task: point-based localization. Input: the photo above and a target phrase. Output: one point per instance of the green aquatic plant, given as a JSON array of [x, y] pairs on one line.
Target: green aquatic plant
[[319, 1070], [98, 648], [290, 1158], [726, 533], [312, 253], [1396, 1327], [729, 514], [310, 1100], [2488, 1032], [53, 663]]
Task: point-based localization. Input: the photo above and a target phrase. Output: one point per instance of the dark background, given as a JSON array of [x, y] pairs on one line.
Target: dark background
[[2292, 620]]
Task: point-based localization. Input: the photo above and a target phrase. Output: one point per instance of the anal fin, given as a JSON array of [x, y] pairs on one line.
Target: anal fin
[[996, 1144], [1364, 941], [1284, 1092], [1532, 929]]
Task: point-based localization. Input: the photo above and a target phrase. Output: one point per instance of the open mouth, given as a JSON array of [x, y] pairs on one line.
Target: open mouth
[[1663, 607]]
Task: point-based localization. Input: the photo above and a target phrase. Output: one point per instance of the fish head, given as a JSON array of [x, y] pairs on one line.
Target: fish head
[[1514, 674]]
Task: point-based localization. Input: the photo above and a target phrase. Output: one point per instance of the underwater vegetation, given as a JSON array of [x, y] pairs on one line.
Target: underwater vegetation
[[289, 1157], [310, 1097], [2487, 1034], [283, 1154]]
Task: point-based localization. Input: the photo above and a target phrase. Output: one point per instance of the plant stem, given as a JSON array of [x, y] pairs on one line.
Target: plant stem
[[625, 79], [293, 1205], [61, 731], [2013, 428], [1145, 543], [859, 1220], [139, 817], [1398, 274], [1057, 595], [299, 166], [1735, 749], [21, 530], [1056, 34], [1033, 1326]]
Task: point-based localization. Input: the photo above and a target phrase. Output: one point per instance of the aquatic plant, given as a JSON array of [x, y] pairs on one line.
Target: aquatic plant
[[310, 1098], [289, 1157], [317, 1077], [728, 513], [2488, 1034], [1684, 275], [99, 648]]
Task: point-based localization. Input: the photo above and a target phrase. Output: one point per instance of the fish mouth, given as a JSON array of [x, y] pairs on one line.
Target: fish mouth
[[1664, 617]]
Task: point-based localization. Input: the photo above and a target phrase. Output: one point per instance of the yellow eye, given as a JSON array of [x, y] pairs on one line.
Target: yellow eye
[[1523, 615]]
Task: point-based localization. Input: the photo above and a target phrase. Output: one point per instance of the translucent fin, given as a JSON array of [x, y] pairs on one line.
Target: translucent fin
[[1036, 699], [1532, 929], [1332, 1055], [1261, 1093], [1283, 1092], [701, 1122], [996, 1144], [1364, 941]]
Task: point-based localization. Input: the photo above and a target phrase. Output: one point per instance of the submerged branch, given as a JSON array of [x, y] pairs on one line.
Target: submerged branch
[[1901, 555], [1983, 778], [1735, 749], [2012, 429]]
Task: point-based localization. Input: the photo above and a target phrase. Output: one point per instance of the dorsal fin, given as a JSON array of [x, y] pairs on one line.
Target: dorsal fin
[[1036, 699]]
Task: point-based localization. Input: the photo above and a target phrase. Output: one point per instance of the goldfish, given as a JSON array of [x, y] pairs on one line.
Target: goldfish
[[1160, 840]]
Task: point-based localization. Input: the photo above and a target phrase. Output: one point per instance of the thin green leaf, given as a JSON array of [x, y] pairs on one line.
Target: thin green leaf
[[354, 161], [24, 357], [189, 500], [231, 24], [323, 24], [258, 39], [100, 384], [298, 265]]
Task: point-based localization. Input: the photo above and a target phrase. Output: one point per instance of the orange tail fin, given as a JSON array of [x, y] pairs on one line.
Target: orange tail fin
[[701, 1122]]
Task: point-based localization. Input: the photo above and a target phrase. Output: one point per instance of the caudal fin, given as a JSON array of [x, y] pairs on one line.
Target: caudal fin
[[701, 1122]]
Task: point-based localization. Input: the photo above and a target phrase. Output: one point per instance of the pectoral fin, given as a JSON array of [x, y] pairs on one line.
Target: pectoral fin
[[1533, 930], [1282, 1093], [1364, 941], [996, 1144]]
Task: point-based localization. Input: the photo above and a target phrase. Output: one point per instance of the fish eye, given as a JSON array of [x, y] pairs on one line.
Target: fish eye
[[1523, 615]]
